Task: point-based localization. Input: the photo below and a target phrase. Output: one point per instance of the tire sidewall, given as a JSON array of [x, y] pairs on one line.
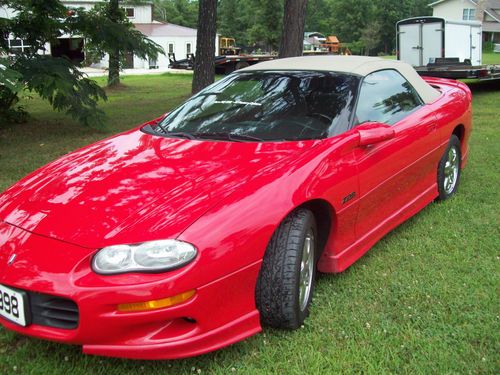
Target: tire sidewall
[[454, 142], [309, 224]]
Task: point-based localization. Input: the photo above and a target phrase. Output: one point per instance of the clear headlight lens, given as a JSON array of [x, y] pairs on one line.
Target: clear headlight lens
[[154, 256]]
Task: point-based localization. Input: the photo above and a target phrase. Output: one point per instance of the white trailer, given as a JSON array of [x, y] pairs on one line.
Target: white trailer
[[427, 40]]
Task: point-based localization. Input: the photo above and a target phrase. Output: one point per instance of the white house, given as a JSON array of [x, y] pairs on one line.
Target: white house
[[173, 38], [485, 11]]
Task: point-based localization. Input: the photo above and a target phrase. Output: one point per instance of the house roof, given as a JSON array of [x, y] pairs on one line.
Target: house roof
[[164, 29], [442, 1], [360, 65], [491, 26], [491, 7]]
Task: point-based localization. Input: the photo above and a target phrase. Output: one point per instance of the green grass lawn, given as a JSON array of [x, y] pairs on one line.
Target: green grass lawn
[[491, 58], [425, 299]]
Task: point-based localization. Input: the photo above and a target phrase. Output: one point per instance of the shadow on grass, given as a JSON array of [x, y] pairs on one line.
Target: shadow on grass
[[478, 86]]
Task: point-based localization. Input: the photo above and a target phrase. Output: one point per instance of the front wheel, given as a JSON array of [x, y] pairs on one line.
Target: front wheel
[[449, 169], [287, 276]]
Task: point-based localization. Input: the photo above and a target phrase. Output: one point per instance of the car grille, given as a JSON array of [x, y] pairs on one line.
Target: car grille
[[52, 311]]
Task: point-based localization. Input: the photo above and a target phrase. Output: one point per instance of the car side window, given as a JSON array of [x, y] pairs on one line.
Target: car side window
[[386, 96]]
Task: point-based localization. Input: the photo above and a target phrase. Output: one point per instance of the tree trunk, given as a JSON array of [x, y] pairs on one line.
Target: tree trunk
[[292, 39], [114, 57], [204, 63]]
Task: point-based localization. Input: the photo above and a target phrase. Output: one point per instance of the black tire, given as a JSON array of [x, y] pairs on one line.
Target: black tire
[[278, 286], [445, 167]]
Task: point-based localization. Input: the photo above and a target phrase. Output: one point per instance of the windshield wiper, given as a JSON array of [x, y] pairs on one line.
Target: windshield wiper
[[228, 136], [158, 129], [179, 135]]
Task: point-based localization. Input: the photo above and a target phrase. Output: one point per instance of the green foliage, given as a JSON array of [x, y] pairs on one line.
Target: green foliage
[[371, 36], [57, 79], [252, 23], [9, 78], [179, 12], [488, 46], [54, 79], [268, 30], [108, 31], [319, 16], [104, 35], [260, 22], [37, 22], [63, 85], [10, 86], [351, 18], [355, 19]]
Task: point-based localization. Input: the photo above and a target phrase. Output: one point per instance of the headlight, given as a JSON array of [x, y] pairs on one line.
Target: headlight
[[154, 256]]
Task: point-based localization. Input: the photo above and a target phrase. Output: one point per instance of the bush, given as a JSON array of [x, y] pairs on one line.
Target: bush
[[488, 46]]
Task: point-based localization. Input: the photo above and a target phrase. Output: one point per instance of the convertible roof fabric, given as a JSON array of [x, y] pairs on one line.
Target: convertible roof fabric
[[361, 65]]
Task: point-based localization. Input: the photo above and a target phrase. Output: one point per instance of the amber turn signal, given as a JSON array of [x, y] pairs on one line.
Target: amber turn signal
[[157, 304]]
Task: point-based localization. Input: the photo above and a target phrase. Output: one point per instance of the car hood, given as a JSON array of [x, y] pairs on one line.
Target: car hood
[[136, 187]]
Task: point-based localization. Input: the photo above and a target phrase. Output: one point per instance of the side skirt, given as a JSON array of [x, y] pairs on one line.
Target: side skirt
[[337, 263]]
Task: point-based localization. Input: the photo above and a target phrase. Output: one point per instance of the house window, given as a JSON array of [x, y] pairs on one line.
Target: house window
[[469, 14], [130, 12], [17, 46], [188, 48], [170, 47]]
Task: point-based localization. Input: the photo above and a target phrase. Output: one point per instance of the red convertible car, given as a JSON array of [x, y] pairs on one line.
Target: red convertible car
[[188, 233]]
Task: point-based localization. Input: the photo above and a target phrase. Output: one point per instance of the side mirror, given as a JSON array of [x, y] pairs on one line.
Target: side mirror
[[374, 132]]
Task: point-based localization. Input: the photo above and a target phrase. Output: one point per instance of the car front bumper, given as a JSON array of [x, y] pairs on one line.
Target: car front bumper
[[221, 312]]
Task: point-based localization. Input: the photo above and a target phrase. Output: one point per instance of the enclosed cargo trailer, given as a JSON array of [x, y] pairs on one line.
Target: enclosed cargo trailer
[[442, 48], [422, 40]]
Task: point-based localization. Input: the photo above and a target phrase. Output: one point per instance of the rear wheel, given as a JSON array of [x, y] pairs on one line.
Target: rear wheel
[[286, 281], [449, 169]]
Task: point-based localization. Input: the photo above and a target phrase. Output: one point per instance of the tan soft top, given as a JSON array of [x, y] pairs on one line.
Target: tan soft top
[[361, 65]]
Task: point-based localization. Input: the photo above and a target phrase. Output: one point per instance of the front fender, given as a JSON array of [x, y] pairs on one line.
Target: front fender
[[235, 232]]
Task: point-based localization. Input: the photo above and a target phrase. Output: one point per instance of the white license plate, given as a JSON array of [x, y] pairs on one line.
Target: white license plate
[[12, 305]]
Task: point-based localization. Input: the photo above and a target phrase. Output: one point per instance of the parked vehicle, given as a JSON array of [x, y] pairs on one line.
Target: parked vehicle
[[227, 46], [229, 59], [422, 40], [190, 232], [224, 64], [443, 48]]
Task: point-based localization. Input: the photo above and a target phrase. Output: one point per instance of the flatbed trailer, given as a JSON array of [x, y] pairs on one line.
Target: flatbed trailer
[[447, 68], [223, 64], [483, 73]]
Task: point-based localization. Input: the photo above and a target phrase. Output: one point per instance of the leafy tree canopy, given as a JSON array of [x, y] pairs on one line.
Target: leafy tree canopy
[[179, 12], [57, 79], [54, 79], [253, 22]]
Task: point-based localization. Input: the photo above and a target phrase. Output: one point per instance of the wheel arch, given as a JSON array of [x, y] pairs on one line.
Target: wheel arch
[[459, 131], [325, 217]]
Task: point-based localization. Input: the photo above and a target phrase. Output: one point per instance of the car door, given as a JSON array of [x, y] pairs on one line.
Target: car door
[[395, 172]]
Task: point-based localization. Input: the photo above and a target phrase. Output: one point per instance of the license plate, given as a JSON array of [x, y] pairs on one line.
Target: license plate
[[12, 305]]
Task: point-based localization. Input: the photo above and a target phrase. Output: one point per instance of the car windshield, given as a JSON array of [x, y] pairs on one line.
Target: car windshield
[[266, 106]]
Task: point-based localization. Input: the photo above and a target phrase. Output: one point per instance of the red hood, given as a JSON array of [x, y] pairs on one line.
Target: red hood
[[135, 187]]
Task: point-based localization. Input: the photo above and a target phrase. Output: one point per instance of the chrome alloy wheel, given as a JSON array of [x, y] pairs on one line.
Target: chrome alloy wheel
[[451, 170], [306, 270]]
